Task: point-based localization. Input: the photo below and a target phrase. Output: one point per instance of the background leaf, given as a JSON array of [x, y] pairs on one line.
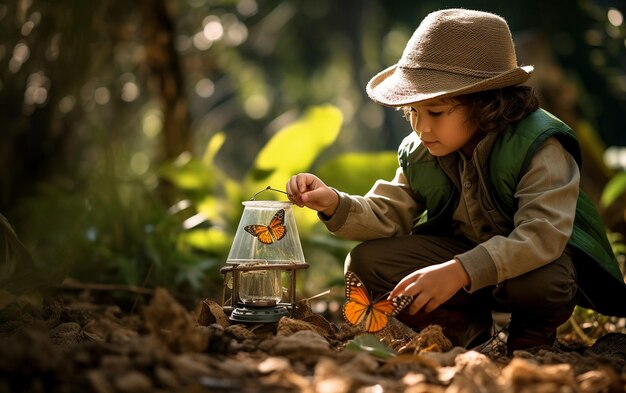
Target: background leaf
[[355, 173], [294, 148], [614, 189]]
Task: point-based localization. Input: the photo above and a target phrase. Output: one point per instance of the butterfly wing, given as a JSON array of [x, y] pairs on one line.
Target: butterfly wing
[[357, 306], [262, 232], [360, 309], [378, 317], [383, 310], [276, 227], [354, 313]]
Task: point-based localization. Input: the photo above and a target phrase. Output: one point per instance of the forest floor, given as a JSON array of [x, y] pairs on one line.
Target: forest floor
[[73, 344]]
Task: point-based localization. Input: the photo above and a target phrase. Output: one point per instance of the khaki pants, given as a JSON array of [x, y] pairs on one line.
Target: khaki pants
[[539, 300]]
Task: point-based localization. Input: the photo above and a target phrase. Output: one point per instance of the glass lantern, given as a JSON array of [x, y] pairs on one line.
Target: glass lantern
[[266, 249]]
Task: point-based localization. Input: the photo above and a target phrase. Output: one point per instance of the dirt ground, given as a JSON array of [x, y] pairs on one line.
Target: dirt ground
[[75, 345]]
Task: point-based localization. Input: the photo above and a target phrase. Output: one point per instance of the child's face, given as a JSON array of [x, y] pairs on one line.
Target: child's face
[[442, 127]]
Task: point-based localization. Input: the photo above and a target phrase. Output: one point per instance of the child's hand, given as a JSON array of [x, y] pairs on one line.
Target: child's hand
[[432, 286], [308, 190]]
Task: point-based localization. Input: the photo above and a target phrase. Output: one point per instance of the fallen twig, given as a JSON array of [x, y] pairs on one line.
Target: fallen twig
[[70, 283], [579, 331]]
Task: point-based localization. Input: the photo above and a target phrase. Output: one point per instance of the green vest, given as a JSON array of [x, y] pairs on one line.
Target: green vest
[[508, 160]]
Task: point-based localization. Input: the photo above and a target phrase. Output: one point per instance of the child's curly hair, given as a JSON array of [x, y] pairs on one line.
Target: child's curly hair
[[495, 110]]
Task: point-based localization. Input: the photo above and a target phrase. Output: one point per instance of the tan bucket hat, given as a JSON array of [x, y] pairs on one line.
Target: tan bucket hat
[[452, 52]]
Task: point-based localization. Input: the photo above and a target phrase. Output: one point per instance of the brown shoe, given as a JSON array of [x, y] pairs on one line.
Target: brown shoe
[[463, 328], [525, 337]]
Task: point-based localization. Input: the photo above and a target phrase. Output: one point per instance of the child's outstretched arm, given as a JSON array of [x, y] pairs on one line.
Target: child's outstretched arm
[[308, 190]]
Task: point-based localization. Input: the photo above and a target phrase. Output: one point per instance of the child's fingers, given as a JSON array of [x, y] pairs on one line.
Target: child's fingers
[[431, 305], [299, 183], [293, 192], [305, 181], [291, 187], [395, 292], [419, 303], [296, 200], [399, 289], [421, 298], [316, 196]]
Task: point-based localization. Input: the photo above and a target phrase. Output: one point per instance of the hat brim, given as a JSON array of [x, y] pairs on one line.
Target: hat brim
[[399, 86]]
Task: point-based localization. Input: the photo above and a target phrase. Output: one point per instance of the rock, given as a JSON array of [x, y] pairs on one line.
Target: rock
[[305, 343], [611, 345], [66, 335], [133, 382], [539, 378]]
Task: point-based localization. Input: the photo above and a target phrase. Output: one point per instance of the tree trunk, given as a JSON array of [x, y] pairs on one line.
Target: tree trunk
[[166, 76]]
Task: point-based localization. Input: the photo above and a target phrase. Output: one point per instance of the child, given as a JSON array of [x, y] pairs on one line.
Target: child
[[485, 210]]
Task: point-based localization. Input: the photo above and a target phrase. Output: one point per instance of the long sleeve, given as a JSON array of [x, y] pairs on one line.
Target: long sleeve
[[388, 209], [543, 223]]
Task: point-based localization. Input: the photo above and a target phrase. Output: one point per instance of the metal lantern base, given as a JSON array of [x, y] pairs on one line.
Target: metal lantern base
[[259, 314]]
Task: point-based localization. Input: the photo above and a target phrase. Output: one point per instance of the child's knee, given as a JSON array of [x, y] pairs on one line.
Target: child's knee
[[360, 259], [538, 293]]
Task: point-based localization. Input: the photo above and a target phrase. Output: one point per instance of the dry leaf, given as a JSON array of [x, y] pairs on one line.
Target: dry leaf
[[522, 372], [173, 324], [429, 339], [210, 313], [288, 326]]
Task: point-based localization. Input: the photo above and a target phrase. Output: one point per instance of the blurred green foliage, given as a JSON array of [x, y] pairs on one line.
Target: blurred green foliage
[[613, 189], [347, 171]]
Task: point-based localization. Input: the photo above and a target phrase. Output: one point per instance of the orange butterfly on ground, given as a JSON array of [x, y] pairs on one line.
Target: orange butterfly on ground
[[268, 233], [359, 309]]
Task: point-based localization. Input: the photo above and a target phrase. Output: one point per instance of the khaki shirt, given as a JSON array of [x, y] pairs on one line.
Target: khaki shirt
[[542, 225]]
